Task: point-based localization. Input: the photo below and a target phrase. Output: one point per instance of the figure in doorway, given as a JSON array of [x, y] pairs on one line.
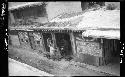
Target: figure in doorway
[[64, 47], [51, 46], [54, 51]]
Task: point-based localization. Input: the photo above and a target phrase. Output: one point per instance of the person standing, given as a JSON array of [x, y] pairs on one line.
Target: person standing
[[51, 46], [64, 47]]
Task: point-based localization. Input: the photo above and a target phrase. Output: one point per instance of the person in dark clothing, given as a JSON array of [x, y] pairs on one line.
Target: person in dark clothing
[[63, 47]]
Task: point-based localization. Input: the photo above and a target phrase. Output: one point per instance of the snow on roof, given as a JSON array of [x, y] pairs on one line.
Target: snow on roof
[[110, 34], [17, 5], [94, 19], [101, 19], [66, 17]]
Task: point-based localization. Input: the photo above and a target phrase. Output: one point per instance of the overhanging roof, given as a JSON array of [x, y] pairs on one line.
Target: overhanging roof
[[17, 5], [91, 21], [99, 24]]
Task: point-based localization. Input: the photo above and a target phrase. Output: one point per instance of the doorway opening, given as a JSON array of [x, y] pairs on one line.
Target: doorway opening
[[64, 44], [45, 37]]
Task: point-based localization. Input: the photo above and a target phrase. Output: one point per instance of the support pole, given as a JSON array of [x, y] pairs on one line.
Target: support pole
[[72, 39]]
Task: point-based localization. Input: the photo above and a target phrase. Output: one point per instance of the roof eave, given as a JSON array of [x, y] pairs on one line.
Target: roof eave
[[25, 5]]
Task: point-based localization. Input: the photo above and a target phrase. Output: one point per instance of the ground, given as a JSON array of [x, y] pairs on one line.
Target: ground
[[21, 69], [56, 68]]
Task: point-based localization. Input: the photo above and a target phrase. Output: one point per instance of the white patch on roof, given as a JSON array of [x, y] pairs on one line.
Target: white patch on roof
[[111, 34], [101, 19]]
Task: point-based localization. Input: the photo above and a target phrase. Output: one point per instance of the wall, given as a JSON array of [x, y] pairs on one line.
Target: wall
[[34, 14], [88, 50], [24, 40], [36, 41], [13, 37], [111, 50], [14, 40], [55, 8]]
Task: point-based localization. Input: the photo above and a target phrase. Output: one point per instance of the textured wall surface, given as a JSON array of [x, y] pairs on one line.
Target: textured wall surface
[[24, 40], [88, 46], [91, 48], [88, 50], [55, 8], [14, 40]]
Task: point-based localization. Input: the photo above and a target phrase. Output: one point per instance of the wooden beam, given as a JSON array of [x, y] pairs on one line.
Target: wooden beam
[[72, 39]]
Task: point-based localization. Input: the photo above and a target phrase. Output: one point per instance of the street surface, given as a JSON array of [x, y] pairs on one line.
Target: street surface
[[20, 69]]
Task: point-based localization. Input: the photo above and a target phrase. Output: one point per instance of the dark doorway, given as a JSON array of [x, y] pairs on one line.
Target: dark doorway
[[63, 43], [45, 37]]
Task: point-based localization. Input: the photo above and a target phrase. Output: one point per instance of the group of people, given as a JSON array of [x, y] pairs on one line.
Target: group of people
[[57, 52]]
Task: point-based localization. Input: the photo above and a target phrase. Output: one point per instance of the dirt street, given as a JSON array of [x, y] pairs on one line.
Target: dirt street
[[57, 68]]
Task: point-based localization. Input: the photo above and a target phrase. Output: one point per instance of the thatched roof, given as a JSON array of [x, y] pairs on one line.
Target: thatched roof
[[99, 23], [92, 21], [18, 5]]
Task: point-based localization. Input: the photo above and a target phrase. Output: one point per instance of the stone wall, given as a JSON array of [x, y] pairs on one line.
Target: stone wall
[[36, 40], [24, 40], [87, 45], [89, 50]]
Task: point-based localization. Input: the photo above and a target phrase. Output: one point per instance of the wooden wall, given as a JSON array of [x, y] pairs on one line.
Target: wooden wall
[[111, 50]]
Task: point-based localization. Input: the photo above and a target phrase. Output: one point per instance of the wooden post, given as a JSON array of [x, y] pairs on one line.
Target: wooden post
[[19, 38], [30, 40], [101, 46], [72, 39], [54, 39], [43, 42]]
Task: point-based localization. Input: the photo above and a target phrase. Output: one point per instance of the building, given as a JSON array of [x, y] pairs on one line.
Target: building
[[74, 28]]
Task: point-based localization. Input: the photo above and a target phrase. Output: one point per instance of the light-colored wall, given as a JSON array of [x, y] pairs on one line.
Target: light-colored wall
[[55, 8], [14, 40]]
